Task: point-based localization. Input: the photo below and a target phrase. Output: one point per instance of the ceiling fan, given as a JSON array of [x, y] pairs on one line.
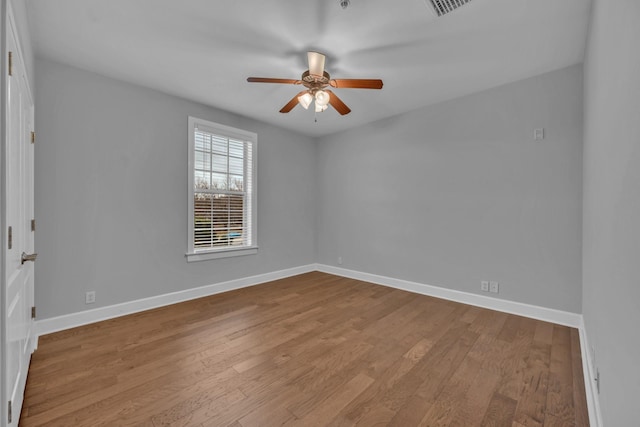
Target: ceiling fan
[[316, 80]]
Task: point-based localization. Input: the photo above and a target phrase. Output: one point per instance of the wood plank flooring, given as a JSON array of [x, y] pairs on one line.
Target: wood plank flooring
[[311, 350]]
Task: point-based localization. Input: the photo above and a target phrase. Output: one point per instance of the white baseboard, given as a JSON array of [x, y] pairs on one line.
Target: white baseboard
[[566, 318], [73, 320], [55, 324], [593, 402]]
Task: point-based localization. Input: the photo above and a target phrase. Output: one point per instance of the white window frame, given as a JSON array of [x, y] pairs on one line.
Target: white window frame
[[228, 251]]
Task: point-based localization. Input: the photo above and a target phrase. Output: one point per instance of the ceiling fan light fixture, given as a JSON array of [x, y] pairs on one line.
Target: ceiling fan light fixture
[[316, 82], [322, 98], [305, 100]]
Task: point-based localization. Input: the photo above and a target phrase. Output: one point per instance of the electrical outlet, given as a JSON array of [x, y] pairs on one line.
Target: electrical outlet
[[494, 287], [484, 286], [90, 297], [340, 260]]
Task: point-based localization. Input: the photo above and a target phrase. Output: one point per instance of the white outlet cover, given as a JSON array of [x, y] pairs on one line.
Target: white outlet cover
[[484, 285], [494, 287], [90, 297]]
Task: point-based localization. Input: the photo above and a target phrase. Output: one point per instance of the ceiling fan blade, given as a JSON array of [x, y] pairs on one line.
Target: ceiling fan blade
[[337, 103], [316, 63], [270, 80], [294, 101], [356, 83]]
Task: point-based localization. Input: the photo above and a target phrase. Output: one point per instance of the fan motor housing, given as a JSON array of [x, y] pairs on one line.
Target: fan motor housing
[[314, 82]]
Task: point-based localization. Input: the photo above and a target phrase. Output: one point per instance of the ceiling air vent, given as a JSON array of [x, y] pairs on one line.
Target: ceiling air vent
[[442, 7]]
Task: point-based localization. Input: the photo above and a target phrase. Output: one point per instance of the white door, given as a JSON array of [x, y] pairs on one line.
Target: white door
[[19, 336]]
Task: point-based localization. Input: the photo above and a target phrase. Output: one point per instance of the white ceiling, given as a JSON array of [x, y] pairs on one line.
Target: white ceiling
[[204, 50]]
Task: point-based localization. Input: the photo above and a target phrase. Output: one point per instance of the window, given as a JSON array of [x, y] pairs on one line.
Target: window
[[222, 191]]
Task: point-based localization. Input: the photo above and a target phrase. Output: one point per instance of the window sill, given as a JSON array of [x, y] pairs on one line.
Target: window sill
[[216, 254]]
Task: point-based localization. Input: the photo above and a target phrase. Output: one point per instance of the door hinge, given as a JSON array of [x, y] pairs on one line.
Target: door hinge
[[10, 63], [10, 237], [33, 225], [33, 137], [33, 312], [9, 415]]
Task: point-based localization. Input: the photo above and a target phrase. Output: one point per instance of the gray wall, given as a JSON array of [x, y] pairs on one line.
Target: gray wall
[[447, 195], [111, 193], [459, 192], [611, 257]]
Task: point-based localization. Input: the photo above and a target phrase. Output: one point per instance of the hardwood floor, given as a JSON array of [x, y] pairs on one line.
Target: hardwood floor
[[310, 350]]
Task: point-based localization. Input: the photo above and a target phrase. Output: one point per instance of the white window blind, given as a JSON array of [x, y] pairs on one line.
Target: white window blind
[[222, 202]]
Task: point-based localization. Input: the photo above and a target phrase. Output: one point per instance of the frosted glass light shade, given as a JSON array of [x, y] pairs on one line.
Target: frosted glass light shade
[[322, 98], [305, 100], [320, 108]]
